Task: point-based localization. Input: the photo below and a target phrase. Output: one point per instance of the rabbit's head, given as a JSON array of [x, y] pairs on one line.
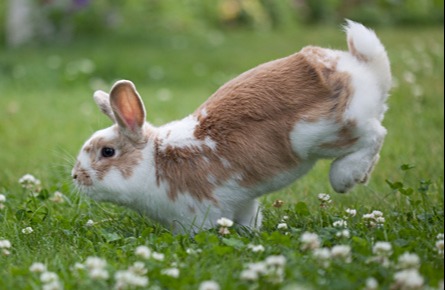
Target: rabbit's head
[[109, 164]]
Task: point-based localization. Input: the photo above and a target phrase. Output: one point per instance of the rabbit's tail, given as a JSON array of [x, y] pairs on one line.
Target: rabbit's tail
[[365, 46]]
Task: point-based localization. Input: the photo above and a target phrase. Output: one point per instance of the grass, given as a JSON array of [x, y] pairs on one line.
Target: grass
[[46, 113]]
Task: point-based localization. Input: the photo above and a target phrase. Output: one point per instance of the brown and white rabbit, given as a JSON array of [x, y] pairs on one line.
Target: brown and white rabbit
[[258, 133]]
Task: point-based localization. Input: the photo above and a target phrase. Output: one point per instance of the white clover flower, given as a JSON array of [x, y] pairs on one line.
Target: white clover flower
[[96, 268], [282, 226], [272, 268], [409, 261], [377, 213], [440, 236], [277, 261], [134, 276], [90, 223], [209, 285], [126, 279], [409, 77], [5, 244], [48, 277], [368, 216], [380, 220], [95, 263], [440, 247], [225, 222], [323, 256], [340, 224], [310, 241], [98, 274], [374, 219], [259, 267], [344, 234], [256, 248], [28, 181], [408, 280], [325, 200], [54, 285], [278, 203], [2, 198], [371, 284], [79, 266], [37, 268], [138, 268], [158, 256], [27, 230], [351, 212], [275, 268], [342, 252], [224, 231], [191, 251], [172, 272], [382, 249], [28, 178], [249, 275], [285, 218], [58, 197], [323, 197], [143, 252], [372, 224], [276, 275]]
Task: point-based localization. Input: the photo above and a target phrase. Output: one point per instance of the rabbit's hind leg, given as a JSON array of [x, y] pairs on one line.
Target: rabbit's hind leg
[[356, 167]]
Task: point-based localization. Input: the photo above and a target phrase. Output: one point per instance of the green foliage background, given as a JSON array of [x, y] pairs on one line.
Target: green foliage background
[[98, 16]]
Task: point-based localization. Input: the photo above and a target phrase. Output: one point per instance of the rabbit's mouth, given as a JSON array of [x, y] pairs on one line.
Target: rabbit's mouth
[[81, 177], [91, 192], [83, 189], [80, 185]]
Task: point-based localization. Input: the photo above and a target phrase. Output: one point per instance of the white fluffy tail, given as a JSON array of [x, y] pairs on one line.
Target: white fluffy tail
[[364, 45]]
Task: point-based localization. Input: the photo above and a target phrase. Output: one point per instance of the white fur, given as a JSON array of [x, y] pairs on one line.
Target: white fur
[[180, 134], [306, 136]]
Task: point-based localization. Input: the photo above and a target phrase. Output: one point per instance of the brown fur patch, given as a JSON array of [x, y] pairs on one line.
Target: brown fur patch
[[186, 170], [250, 119], [320, 57]]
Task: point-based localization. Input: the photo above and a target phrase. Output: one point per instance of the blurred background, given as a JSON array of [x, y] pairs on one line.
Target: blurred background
[[55, 53], [26, 21]]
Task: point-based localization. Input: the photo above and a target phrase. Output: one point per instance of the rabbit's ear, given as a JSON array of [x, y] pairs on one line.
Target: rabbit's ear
[[102, 100], [128, 109]]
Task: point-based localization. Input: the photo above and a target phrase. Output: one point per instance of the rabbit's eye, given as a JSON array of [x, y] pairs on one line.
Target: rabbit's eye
[[107, 152]]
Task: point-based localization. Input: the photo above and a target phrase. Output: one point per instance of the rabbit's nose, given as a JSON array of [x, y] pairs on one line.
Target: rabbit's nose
[[75, 170]]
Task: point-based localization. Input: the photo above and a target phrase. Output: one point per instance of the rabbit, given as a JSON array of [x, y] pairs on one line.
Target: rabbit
[[256, 134]]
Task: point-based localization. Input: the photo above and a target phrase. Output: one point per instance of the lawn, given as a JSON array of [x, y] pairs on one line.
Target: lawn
[[47, 112]]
